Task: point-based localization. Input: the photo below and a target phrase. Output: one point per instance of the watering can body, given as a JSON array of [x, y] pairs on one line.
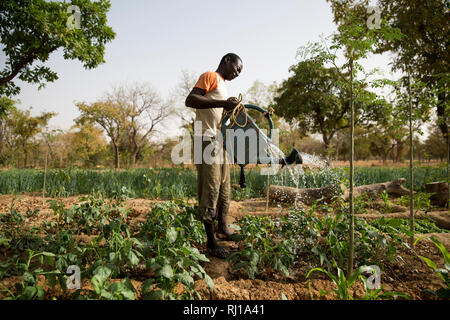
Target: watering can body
[[246, 143]]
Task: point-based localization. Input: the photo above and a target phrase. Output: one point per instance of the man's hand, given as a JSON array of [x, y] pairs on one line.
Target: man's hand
[[230, 104]]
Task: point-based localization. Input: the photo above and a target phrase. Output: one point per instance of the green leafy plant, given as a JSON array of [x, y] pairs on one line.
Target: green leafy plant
[[387, 203], [104, 289], [444, 273], [168, 235], [260, 248], [29, 288], [344, 284], [395, 226]]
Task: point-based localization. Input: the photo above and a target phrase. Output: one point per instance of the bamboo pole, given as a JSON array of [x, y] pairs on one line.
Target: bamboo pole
[[411, 166], [352, 152], [448, 162], [45, 174], [267, 194]]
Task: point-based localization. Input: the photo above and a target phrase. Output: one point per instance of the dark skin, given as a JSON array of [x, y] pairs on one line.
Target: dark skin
[[229, 69]]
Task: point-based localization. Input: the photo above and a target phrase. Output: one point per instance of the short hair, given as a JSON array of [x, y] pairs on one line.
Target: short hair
[[232, 56]]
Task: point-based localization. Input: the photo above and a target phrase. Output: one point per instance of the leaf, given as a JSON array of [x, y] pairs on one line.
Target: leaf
[[123, 289], [102, 273], [166, 271], [429, 262], [132, 258], [28, 277], [283, 296], [48, 254], [171, 234], [40, 293], [254, 259], [235, 227], [154, 295], [29, 293], [97, 284], [209, 282], [185, 278]]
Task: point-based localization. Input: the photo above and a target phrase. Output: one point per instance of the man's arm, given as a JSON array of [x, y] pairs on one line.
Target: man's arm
[[197, 100]]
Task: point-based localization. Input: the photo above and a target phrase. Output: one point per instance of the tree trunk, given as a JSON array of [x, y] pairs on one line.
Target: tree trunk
[[282, 194], [25, 160], [133, 156], [116, 155]]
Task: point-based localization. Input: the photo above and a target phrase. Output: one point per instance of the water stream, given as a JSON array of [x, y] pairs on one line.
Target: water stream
[[296, 173]]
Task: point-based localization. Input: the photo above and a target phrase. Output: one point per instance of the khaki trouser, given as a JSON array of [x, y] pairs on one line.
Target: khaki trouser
[[213, 188]]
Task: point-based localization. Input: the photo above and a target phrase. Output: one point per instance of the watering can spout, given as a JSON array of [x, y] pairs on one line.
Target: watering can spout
[[293, 157]]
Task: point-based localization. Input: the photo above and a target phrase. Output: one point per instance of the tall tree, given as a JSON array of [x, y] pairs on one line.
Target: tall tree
[[316, 97], [25, 127], [435, 144], [33, 29], [107, 115], [87, 144], [424, 48], [6, 107], [143, 109]]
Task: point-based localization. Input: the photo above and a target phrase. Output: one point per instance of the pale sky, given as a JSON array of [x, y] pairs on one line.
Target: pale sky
[[157, 39]]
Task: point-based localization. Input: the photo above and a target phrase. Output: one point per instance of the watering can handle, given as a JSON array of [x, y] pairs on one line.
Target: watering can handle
[[266, 114], [257, 108]]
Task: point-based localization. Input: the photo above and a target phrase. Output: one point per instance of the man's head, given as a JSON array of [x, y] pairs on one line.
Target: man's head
[[230, 66]]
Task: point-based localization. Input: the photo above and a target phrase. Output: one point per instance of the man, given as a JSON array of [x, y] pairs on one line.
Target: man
[[209, 98]]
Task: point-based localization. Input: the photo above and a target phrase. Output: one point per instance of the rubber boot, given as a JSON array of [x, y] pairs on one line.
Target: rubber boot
[[223, 232], [214, 248]]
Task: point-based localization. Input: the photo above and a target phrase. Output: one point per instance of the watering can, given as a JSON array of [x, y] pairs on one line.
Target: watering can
[[247, 143]]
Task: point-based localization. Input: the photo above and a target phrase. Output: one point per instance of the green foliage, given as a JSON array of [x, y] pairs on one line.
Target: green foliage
[[280, 243], [165, 245], [343, 285], [33, 29], [260, 250], [444, 273], [29, 288], [401, 226], [387, 203], [160, 183], [105, 290], [322, 105], [6, 105], [169, 234], [421, 201]]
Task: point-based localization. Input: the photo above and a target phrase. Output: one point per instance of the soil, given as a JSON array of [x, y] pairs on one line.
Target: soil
[[410, 276]]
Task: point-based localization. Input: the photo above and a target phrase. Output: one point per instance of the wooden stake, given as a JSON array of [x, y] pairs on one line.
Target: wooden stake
[[267, 193], [45, 174], [352, 171], [411, 166]]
